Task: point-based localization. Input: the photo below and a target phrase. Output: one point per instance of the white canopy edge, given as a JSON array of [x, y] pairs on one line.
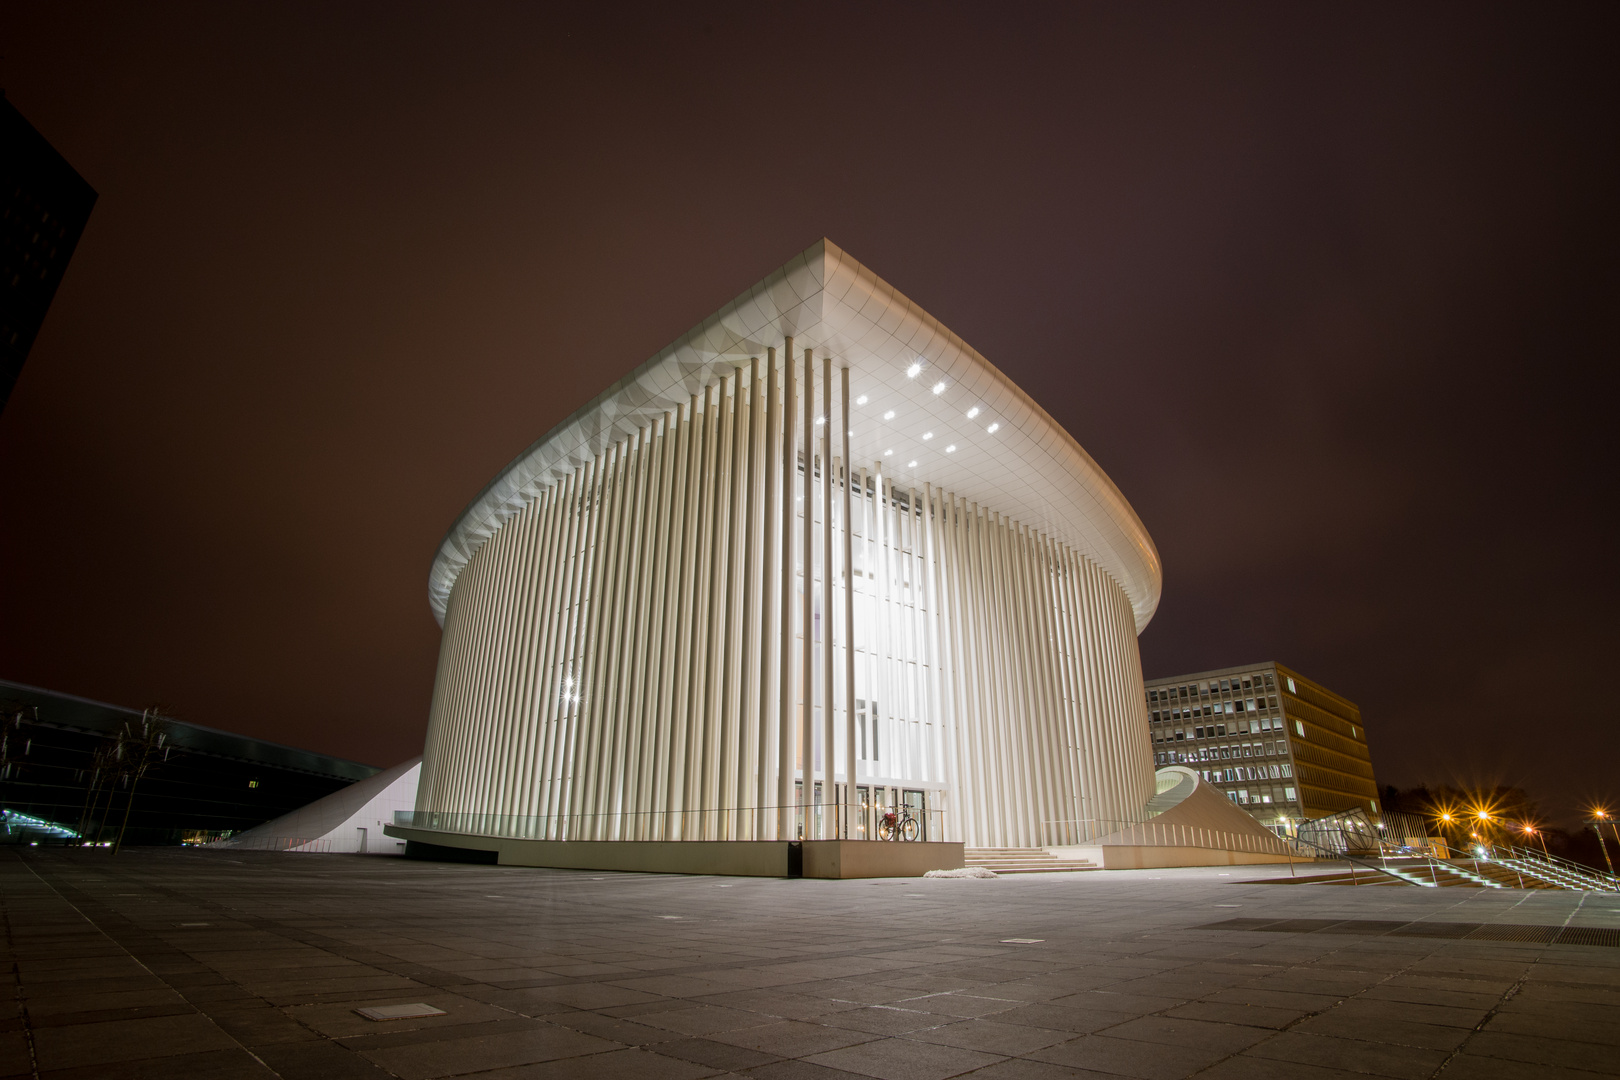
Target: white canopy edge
[[1030, 469]]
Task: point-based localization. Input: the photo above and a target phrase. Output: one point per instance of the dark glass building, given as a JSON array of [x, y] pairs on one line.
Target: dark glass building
[[44, 205], [70, 770]]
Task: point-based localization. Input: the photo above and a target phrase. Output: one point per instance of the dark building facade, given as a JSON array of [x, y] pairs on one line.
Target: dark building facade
[[1281, 745], [68, 774], [44, 205]]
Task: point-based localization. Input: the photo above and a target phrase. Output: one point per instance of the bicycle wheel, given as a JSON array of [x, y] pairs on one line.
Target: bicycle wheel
[[886, 830], [909, 829]]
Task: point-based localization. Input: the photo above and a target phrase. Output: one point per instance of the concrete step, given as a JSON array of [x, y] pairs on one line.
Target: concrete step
[[1024, 861]]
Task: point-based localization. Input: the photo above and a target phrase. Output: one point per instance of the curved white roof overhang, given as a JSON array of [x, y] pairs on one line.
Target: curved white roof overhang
[[1028, 468]]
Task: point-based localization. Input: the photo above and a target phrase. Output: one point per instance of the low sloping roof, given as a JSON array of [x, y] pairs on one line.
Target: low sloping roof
[[1028, 468]]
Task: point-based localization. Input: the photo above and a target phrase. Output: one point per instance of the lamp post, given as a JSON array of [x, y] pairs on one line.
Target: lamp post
[[1599, 816], [1537, 833]]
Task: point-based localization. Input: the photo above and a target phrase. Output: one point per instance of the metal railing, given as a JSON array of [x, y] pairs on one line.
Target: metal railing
[[1551, 869], [812, 821], [275, 843], [1149, 832], [1412, 867]]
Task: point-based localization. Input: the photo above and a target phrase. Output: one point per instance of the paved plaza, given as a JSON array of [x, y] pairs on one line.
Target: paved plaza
[[181, 964]]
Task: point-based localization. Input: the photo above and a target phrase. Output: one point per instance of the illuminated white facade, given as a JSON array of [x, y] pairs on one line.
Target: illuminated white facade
[[633, 647]]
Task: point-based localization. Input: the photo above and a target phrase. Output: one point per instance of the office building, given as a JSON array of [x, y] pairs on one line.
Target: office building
[[1279, 744]]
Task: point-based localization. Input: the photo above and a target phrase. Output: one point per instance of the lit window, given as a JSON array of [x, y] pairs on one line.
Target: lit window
[[1291, 687], [253, 783], [1300, 728], [973, 412]]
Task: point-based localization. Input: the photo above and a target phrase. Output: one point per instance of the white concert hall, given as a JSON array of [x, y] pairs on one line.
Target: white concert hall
[[816, 562]]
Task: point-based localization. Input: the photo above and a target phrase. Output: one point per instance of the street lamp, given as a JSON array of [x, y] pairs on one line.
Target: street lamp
[[1599, 816], [1532, 831]]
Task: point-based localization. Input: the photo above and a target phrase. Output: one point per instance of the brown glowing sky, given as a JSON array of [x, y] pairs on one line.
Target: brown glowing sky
[[1334, 299]]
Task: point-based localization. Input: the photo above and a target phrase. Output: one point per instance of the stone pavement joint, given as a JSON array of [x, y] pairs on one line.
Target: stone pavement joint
[[190, 964]]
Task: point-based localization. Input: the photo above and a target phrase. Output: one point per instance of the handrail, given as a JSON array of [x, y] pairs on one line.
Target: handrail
[[1578, 869], [1316, 850], [1554, 865]]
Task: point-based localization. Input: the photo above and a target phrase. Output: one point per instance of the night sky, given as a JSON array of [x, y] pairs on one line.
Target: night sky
[[1333, 296]]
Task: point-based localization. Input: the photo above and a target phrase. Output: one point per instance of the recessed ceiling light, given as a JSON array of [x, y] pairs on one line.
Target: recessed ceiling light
[[861, 400], [973, 412], [911, 464], [820, 420], [889, 415], [992, 428], [886, 453], [911, 372], [951, 449], [927, 435], [939, 388]]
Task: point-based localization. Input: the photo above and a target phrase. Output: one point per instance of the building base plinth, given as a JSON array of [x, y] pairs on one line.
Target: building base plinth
[[1153, 857], [739, 858]]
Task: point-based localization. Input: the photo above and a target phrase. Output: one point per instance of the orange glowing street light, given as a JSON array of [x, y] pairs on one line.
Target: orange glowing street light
[[1599, 816]]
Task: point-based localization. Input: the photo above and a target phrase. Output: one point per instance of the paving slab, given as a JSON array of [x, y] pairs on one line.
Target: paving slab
[[1151, 974]]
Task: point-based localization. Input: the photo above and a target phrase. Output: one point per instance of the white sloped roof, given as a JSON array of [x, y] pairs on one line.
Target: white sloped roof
[[1028, 469]]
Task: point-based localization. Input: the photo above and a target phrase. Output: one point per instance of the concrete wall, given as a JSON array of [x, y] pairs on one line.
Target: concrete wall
[[739, 858], [1148, 857]]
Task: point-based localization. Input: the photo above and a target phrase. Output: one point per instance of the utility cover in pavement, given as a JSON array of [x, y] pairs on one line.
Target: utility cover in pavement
[[399, 1012]]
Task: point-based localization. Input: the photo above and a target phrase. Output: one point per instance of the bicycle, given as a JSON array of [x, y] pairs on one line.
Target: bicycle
[[898, 824]]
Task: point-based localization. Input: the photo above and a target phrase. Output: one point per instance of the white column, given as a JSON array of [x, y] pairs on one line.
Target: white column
[[807, 656], [770, 648], [850, 801], [784, 748], [829, 785]]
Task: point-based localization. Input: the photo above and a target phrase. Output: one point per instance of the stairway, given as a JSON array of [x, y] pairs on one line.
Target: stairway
[[1023, 861]]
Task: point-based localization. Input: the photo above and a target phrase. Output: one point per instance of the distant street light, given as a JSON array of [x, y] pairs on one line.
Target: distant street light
[[1599, 816]]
